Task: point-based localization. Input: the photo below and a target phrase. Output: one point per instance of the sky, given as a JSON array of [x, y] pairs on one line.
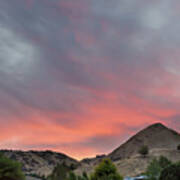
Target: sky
[[81, 77]]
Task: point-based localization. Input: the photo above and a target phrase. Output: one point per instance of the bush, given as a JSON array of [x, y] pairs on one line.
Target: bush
[[178, 147], [10, 170], [171, 172], [85, 176], [164, 162], [106, 171], [73, 176], [144, 150], [42, 177], [156, 166], [60, 172]]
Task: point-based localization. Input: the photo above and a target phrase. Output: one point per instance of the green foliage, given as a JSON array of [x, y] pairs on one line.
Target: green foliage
[[144, 150], [1, 155], [37, 176], [60, 172], [106, 171], [156, 166], [85, 176], [171, 172], [164, 162], [73, 176], [153, 170], [10, 170]]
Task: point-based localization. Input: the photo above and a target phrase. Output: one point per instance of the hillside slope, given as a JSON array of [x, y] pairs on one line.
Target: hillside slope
[[160, 140], [155, 136], [39, 162]]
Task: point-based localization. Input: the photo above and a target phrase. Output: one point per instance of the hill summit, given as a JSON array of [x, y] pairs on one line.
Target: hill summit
[[156, 136], [161, 141]]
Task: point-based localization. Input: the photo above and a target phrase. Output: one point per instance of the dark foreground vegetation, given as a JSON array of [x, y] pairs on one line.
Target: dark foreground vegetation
[[158, 169], [106, 170], [10, 170]]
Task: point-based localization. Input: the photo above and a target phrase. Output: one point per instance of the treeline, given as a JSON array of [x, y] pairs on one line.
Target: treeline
[[106, 170], [163, 169], [159, 169]]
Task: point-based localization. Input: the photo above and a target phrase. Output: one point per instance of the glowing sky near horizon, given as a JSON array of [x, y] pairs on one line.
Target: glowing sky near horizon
[[81, 76]]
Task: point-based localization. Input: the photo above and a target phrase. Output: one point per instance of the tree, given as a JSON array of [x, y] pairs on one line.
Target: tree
[[72, 176], [178, 147], [10, 170], [171, 172], [144, 150], [85, 176], [164, 162], [60, 172], [106, 170], [156, 166]]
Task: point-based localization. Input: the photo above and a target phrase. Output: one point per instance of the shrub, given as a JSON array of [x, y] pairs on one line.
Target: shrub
[[10, 170], [60, 172], [171, 172], [106, 170], [144, 150], [156, 166], [72, 176], [85, 176], [164, 162]]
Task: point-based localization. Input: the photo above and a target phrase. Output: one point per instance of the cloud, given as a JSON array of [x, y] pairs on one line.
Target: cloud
[[86, 72]]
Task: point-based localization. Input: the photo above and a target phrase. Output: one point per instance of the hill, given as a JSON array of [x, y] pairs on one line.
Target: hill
[[156, 136], [161, 141], [40, 162]]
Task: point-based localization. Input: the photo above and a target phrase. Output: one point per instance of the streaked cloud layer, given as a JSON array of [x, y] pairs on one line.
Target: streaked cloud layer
[[82, 76]]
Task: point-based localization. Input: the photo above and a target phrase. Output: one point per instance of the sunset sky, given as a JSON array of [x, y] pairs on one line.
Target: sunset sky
[[82, 76]]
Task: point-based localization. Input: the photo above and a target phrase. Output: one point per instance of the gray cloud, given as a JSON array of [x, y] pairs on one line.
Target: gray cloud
[[61, 57]]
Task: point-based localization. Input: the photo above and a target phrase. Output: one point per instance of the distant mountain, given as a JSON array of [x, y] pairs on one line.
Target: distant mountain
[[40, 162], [156, 136]]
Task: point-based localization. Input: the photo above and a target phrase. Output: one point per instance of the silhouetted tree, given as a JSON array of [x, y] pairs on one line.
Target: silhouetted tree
[[60, 172], [156, 166], [144, 150], [171, 172], [10, 170], [106, 171], [72, 176]]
